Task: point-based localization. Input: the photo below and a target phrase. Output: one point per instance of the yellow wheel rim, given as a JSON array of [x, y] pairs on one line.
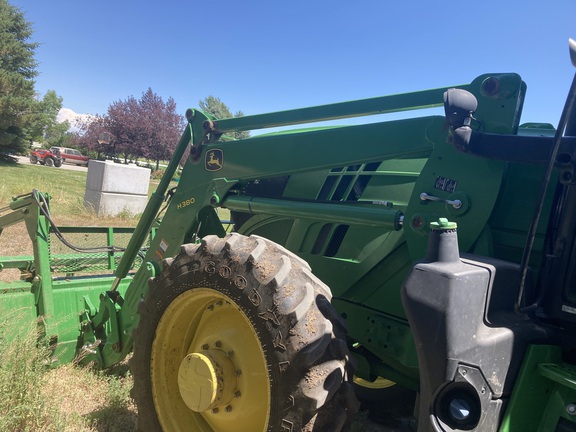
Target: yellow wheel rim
[[207, 367], [378, 384]]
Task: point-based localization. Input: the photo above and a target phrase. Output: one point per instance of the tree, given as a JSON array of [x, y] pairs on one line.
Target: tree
[[122, 122], [17, 72], [161, 126], [147, 127], [92, 136], [214, 106], [41, 121]]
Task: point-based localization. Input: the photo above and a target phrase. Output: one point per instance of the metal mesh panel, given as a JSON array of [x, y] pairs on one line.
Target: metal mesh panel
[[66, 262]]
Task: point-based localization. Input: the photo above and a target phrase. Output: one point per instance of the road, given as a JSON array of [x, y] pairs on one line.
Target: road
[[26, 160]]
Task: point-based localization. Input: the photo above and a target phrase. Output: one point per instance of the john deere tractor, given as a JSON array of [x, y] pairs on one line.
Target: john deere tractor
[[291, 272]]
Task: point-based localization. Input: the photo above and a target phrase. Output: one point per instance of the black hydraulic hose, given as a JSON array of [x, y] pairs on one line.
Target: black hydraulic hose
[[169, 196], [44, 209]]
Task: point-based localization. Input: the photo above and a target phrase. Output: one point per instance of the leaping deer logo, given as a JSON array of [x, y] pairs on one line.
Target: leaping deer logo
[[214, 160]]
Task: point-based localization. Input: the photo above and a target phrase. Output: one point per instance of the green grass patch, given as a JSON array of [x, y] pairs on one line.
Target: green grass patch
[[66, 189]]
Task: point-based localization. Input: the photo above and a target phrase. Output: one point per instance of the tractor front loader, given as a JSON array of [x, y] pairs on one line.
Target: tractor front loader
[[432, 254]]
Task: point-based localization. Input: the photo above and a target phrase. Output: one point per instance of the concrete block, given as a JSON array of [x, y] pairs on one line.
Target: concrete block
[[115, 188], [107, 176]]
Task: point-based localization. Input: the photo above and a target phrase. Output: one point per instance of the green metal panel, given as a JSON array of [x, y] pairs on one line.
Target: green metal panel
[[454, 176], [544, 396], [70, 302]]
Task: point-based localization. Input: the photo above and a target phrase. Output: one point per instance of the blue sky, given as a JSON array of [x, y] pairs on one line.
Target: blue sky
[[260, 56]]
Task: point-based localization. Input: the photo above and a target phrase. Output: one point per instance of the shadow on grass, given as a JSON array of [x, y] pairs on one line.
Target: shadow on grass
[[113, 419], [7, 164]]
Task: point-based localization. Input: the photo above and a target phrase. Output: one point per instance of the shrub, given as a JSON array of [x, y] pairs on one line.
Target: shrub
[[157, 174]]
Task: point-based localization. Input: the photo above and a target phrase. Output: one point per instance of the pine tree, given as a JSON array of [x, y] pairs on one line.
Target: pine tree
[[214, 106], [17, 72]]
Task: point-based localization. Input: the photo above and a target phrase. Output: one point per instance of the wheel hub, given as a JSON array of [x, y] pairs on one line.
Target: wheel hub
[[207, 368], [206, 380]]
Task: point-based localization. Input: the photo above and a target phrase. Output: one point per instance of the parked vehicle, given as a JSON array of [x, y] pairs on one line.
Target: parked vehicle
[[71, 156], [45, 157]]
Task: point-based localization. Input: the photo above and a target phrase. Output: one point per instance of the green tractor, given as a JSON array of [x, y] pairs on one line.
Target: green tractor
[[432, 255]]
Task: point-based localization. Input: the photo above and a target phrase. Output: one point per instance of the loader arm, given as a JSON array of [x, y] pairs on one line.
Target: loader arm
[[217, 170]]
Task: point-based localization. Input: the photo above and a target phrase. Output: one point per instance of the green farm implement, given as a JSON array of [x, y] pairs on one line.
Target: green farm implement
[[431, 255]]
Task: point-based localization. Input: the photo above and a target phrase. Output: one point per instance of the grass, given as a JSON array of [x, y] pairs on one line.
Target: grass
[[22, 407], [68, 399], [66, 189]]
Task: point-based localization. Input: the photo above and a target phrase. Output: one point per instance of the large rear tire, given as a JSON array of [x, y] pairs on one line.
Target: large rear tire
[[236, 334]]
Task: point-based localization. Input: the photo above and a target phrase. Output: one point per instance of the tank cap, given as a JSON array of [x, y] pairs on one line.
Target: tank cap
[[443, 224]]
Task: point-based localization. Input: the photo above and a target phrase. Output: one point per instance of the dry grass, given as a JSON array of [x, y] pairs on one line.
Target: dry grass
[[92, 401], [68, 399]]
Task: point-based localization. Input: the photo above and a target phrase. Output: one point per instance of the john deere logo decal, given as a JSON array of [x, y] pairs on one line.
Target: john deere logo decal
[[214, 160]]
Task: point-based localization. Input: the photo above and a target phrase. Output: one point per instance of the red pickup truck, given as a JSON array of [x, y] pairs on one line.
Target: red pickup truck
[[71, 156]]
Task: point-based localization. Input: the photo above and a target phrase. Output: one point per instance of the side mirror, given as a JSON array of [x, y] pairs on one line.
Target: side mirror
[[459, 105]]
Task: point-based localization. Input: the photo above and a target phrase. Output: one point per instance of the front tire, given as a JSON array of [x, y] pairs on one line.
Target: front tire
[[49, 162], [237, 334], [33, 159]]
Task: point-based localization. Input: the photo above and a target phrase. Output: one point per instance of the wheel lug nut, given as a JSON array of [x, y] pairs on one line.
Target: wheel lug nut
[[228, 408], [214, 410], [238, 372], [210, 308], [219, 303], [217, 344], [205, 347], [230, 353], [237, 394]]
